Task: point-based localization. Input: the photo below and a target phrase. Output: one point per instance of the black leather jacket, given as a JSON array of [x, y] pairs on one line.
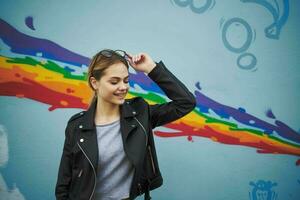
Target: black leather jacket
[[78, 167]]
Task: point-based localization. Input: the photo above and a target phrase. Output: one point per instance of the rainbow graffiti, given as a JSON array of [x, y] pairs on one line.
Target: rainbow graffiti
[[44, 71]]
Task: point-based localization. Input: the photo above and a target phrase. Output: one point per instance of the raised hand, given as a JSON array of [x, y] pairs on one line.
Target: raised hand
[[141, 62]]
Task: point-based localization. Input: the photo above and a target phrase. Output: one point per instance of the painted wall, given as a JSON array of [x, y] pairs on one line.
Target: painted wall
[[239, 58]]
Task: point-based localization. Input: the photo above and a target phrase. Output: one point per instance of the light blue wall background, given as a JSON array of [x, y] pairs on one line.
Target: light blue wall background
[[191, 45]]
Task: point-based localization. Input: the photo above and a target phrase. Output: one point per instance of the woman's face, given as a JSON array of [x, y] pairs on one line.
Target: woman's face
[[113, 85]]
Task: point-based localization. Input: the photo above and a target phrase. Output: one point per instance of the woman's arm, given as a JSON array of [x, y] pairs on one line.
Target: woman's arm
[[65, 170], [183, 100]]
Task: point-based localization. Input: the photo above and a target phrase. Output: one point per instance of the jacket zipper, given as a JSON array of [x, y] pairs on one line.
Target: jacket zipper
[[152, 161], [143, 129], [92, 168], [149, 148], [79, 175]]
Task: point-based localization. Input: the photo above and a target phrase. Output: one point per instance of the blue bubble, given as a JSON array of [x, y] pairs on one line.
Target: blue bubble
[[195, 9], [246, 44], [245, 56]]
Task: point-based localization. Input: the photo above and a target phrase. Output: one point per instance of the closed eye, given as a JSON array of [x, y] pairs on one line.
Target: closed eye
[[114, 83]]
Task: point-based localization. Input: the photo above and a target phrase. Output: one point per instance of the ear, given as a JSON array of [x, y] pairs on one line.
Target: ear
[[93, 82]]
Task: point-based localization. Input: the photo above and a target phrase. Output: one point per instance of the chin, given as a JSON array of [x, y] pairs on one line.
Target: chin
[[119, 101]]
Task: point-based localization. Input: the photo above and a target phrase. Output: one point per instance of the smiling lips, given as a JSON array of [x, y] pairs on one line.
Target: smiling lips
[[121, 95]]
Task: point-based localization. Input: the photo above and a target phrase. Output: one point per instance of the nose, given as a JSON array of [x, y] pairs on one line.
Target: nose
[[123, 86]]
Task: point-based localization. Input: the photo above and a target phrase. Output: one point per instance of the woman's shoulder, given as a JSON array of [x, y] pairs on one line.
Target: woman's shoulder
[[76, 116]]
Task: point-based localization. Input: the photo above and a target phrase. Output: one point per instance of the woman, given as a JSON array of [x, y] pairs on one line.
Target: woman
[[109, 151]]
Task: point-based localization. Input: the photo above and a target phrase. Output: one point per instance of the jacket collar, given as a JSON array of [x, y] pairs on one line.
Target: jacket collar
[[88, 120]]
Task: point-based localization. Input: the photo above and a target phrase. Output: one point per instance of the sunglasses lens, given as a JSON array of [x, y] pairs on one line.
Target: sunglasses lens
[[121, 53], [106, 53]]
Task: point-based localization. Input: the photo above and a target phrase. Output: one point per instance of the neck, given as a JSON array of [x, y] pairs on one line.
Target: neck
[[106, 111]]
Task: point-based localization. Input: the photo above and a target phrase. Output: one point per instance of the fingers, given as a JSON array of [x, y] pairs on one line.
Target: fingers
[[130, 61], [137, 58]]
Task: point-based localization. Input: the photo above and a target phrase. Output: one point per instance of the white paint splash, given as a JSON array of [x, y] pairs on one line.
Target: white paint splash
[[5, 192], [3, 147]]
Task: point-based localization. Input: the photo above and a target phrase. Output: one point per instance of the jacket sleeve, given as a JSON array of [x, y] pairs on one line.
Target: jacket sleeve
[[65, 169], [183, 101]]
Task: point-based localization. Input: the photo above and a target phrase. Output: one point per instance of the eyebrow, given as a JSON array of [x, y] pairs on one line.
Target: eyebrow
[[115, 77]]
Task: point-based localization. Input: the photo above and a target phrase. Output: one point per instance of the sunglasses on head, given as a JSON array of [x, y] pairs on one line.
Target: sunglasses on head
[[109, 53]]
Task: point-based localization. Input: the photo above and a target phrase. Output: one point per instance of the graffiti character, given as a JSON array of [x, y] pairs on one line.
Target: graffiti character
[[262, 190]]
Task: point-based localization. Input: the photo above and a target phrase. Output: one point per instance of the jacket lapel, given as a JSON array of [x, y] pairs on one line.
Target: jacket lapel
[[132, 134], [127, 115]]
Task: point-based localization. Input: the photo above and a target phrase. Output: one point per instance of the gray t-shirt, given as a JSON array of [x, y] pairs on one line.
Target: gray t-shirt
[[115, 171]]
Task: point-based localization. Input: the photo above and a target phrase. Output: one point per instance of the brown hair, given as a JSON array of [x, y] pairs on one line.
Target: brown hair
[[99, 63]]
